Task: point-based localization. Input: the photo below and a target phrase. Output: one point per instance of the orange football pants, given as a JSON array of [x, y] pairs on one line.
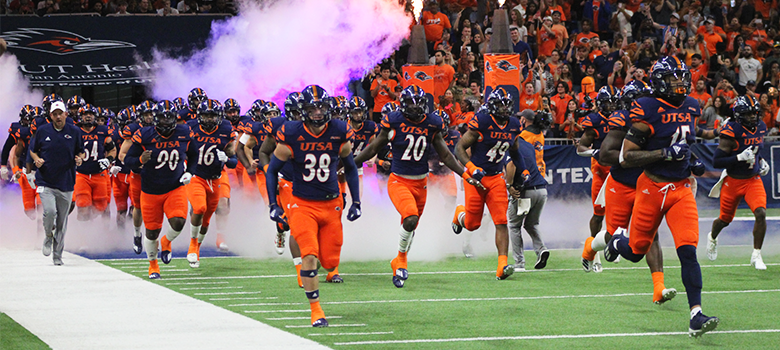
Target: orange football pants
[[655, 200], [284, 194], [29, 197], [316, 226], [408, 195], [91, 190], [620, 202], [173, 204], [204, 197], [600, 173], [494, 195], [445, 183], [732, 192], [260, 176], [135, 189], [121, 186], [224, 184]]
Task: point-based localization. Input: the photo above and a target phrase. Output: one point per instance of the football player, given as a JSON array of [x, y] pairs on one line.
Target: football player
[[213, 138], [194, 99], [315, 145], [145, 112], [91, 186], [662, 128], [19, 134], [741, 139], [119, 171], [413, 129], [160, 151]]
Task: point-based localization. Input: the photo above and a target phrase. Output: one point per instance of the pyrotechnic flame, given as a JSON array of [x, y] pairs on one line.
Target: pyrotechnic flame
[[417, 7], [501, 3]]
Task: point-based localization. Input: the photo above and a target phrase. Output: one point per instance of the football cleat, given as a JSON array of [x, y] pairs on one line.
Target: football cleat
[[320, 323], [467, 250], [193, 256], [57, 261], [221, 246], [507, 271], [456, 226], [597, 268], [541, 260], [154, 270], [587, 265], [611, 252], [165, 250], [400, 274], [137, 246], [335, 279], [666, 295], [712, 247], [701, 324], [757, 261], [279, 242]]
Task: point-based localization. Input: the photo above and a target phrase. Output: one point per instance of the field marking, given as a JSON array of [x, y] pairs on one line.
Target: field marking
[[543, 337], [296, 318], [193, 283], [333, 325], [227, 293], [203, 288], [179, 274], [744, 218], [502, 298], [228, 299], [163, 270], [126, 259], [272, 311], [356, 333], [460, 272]]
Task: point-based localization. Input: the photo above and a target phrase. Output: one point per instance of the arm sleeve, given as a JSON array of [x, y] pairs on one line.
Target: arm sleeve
[[723, 160], [133, 157], [9, 143], [353, 179], [232, 162], [272, 177]]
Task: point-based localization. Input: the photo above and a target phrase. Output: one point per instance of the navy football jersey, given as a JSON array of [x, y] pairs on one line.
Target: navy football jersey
[[116, 136], [668, 125], [94, 148], [187, 114], [207, 165], [363, 136], [436, 165], [242, 121], [127, 135], [619, 120], [273, 126], [315, 158], [490, 150], [745, 138], [598, 123], [162, 172], [259, 131], [409, 142], [23, 134]]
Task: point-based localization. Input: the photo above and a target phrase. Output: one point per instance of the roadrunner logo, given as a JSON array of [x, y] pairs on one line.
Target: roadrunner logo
[[505, 66], [488, 67], [58, 42], [422, 76]]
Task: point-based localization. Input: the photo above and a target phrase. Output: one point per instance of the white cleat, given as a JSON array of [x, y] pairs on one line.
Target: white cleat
[[193, 259], [279, 243], [587, 265], [712, 247], [468, 252], [597, 268], [757, 261]]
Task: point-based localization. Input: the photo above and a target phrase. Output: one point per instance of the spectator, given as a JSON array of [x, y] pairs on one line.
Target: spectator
[[772, 77], [474, 93], [599, 12], [750, 89], [749, 68], [691, 48], [775, 57], [444, 42], [144, 7], [47, 7], [443, 76], [519, 46], [645, 55], [623, 15], [187, 6], [204, 6], [700, 94], [766, 113], [521, 6], [547, 38], [617, 77], [635, 73], [698, 68], [98, 8], [121, 8], [715, 113], [710, 37], [529, 98], [583, 38], [559, 102], [571, 126], [638, 19], [587, 89], [693, 20], [758, 35], [662, 10], [479, 40], [167, 10], [434, 23], [560, 31], [566, 76], [449, 104], [383, 91], [726, 90], [22, 7], [553, 63], [56, 150]]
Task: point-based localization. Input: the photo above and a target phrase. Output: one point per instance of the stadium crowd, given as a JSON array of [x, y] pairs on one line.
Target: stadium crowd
[[116, 7]]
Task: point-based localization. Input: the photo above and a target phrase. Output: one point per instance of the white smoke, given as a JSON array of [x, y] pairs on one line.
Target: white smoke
[[269, 50]]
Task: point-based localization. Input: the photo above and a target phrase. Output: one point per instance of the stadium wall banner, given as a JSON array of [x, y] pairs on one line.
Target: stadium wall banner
[[569, 175], [420, 75], [503, 71], [84, 50]]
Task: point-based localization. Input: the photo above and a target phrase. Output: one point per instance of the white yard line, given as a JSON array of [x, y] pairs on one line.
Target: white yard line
[[162, 270], [272, 311], [193, 283], [77, 306], [205, 288], [228, 293], [501, 298], [355, 333], [544, 337], [333, 325], [228, 299], [297, 318]]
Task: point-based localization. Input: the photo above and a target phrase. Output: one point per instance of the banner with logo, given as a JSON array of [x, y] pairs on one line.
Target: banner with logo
[[420, 75], [82, 50], [569, 176], [503, 71]]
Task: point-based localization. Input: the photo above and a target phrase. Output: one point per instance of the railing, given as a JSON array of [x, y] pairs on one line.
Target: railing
[[551, 141]]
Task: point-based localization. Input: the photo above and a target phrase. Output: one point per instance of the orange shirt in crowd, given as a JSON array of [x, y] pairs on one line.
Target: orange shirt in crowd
[[699, 72], [711, 40], [382, 97], [558, 8], [701, 97], [764, 7], [582, 39], [434, 25], [442, 78], [559, 106], [532, 102], [547, 42]]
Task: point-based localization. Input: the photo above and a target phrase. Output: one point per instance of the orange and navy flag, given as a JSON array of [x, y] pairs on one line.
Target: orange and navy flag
[[503, 71]]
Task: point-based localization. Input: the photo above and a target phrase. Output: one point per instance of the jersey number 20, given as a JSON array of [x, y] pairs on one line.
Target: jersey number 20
[[415, 149]]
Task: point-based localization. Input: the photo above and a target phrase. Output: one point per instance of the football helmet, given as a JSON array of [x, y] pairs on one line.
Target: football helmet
[[632, 91], [145, 112], [48, 100], [607, 99], [270, 110], [314, 105], [670, 79], [358, 111], [414, 103], [87, 115], [746, 110], [196, 96], [210, 114], [165, 117], [26, 115], [292, 109], [390, 107], [500, 104], [75, 102]]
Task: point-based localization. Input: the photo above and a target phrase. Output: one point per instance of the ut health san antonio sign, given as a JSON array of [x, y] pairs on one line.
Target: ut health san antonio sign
[[81, 51]]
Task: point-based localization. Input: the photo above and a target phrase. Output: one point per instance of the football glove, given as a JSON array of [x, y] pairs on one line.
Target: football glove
[[354, 212], [222, 156], [676, 152], [697, 167], [115, 170], [4, 173], [186, 178], [747, 155], [104, 163], [764, 167], [277, 213], [31, 179]]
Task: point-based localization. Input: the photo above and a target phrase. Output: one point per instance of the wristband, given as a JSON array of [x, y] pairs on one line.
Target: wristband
[[465, 175], [471, 167]]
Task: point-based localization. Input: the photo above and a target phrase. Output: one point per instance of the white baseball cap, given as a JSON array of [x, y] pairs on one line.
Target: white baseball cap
[[58, 105]]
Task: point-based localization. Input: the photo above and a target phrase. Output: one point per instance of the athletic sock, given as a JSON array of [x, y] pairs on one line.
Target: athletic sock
[[151, 248], [172, 234], [691, 273], [502, 261], [194, 230], [587, 252], [599, 243], [316, 311], [405, 242], [137, 231], [695, 311], [658, 285], [201, 237]]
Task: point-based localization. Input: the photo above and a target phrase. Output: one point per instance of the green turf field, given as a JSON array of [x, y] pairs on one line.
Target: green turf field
[[457, 303], [13, 336]]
